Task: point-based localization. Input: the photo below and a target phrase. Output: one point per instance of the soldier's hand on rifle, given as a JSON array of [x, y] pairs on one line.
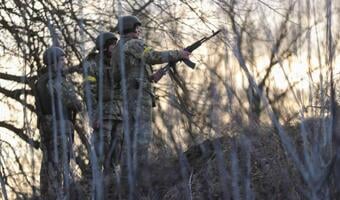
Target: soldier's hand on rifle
[[157, 75], [161, 72], [185, 54]]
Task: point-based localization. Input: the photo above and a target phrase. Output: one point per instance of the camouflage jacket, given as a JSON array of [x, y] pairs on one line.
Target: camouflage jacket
[[57, 97], [138, 59], [97, 82], [91, 78]]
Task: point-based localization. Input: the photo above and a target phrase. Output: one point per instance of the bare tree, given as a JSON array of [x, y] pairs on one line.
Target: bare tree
[[192, 105]]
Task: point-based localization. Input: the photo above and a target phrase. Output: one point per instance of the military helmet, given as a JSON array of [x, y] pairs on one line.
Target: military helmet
[[127, 24], [103, 40], [52, 54]]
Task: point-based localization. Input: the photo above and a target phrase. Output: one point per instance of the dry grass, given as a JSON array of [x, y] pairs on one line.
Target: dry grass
[[272, 174]]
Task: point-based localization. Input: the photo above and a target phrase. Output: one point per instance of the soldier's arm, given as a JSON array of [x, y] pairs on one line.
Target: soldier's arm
[[90, 73], [69, 97], [138, 49], [90, 80], [152, 56]]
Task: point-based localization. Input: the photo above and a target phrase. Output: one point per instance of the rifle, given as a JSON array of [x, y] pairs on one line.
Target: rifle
[[161, 72]]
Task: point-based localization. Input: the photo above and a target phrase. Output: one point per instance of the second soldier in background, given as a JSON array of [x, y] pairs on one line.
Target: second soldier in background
[[104, 106]]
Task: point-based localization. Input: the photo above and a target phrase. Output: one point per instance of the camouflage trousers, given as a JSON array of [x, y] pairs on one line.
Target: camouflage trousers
[[108, 139], [137, 143], [55, 179]]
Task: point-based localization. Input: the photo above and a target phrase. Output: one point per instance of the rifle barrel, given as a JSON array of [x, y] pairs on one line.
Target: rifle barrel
[[189, 48]]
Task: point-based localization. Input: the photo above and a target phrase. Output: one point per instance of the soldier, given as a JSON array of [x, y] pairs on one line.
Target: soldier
[[106, 119], [104, 43], [56, 102], [132, 71]]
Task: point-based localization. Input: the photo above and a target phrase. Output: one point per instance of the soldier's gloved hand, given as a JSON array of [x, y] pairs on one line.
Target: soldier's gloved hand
[[157, 76], [185, 54]]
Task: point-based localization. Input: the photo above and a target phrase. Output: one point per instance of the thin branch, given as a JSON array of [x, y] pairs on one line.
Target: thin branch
[[277, 12], [20, 133], [16, 96]]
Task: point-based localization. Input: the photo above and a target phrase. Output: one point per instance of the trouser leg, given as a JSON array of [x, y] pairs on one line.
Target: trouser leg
[[108, 147], [143, 136]]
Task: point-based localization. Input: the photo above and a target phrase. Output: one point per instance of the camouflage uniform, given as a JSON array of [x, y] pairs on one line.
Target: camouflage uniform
[[90, 83], [57, 101], [93, 64], [104, 110], [112, 118], [138, 59], [108, 136]]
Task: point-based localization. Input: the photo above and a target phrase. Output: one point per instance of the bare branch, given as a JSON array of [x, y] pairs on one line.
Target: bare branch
[[20, 133]]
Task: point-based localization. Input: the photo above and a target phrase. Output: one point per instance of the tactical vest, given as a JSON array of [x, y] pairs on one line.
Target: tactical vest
[[47, 105]]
